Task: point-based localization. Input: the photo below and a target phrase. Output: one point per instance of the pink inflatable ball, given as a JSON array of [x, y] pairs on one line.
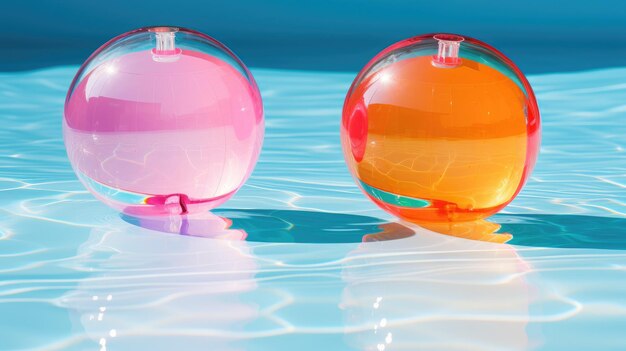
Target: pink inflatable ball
[[163, 120]]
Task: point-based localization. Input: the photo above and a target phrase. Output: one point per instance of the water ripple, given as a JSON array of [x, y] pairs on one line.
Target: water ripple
[[82, 277]]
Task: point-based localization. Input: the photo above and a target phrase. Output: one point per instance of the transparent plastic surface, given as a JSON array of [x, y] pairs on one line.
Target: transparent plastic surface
[[440, 128], [163, 120]]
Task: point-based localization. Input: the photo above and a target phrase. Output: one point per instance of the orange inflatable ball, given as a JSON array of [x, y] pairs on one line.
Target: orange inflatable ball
[[440, 128]]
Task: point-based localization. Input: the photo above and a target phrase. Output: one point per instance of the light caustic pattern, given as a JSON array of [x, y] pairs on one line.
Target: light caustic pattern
[[79, 277], [431, 143]]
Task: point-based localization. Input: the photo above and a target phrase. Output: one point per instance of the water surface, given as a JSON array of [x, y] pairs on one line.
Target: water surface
[[75, 275]]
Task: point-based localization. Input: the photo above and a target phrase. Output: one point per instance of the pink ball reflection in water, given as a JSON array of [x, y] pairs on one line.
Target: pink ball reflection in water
[[163, 120]]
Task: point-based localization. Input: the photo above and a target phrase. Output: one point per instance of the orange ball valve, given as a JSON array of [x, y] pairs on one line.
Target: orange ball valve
[[440, 128]]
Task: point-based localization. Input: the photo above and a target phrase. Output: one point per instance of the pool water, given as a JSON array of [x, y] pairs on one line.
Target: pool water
[[299, 258]]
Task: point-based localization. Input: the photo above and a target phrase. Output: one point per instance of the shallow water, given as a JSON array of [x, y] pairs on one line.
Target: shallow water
[[75, 275]]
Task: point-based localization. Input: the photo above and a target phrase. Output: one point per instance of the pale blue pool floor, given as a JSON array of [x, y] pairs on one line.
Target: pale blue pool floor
[[75, 275]]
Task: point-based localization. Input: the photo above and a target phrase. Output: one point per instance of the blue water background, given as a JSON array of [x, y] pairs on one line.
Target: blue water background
[[541, 36]]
